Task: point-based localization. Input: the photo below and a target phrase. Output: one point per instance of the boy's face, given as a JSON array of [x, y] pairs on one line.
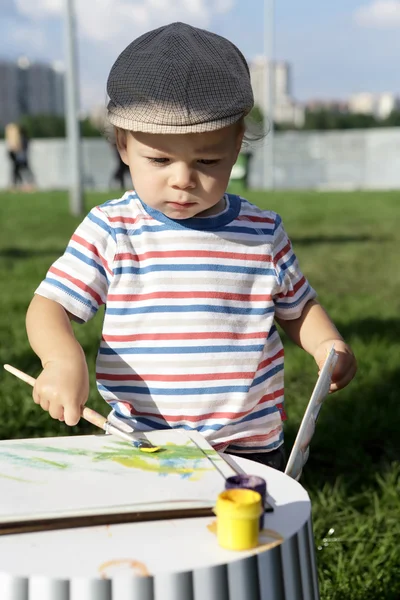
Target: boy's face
[[181, 175]]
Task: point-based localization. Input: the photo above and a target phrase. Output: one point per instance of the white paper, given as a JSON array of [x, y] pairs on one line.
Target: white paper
[[83, 475], [300, 451]]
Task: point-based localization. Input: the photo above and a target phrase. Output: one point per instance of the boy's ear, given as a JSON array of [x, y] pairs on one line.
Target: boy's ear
[[121, 141]]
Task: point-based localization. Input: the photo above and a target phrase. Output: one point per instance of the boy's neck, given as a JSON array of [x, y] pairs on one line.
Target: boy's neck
[[214, 210]]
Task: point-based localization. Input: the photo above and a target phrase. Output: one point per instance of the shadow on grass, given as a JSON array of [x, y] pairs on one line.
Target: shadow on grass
[[371, 328], [30, 252], [354, 439]]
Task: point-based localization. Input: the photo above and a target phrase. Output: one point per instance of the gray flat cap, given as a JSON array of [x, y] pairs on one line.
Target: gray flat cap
[[179, 79]]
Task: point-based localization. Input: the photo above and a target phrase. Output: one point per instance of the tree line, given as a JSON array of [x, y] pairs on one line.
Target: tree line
[[51, 126]]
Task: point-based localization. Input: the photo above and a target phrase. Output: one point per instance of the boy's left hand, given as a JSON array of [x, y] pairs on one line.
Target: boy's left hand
[[346, 366]]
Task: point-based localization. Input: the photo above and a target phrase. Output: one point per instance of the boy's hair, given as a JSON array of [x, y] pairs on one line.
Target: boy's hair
[[179, 79]]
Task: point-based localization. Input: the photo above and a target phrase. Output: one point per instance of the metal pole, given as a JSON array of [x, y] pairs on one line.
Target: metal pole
[[72, 112], [269, 90]]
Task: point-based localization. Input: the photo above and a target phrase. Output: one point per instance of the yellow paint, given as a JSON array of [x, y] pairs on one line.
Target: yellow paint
[[137, 567], [151, 449], [212, 527], [238, 512], [264, 539]]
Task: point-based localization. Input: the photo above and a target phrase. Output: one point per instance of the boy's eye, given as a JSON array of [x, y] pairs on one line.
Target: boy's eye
[[159, 161], [165, 161], [211, 161]]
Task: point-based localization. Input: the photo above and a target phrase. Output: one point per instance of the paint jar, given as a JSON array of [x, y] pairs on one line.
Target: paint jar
[[238, 513], [250, 482]]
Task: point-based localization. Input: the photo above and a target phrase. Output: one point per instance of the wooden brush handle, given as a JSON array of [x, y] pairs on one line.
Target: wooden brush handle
[[87, 413], [94, 417]]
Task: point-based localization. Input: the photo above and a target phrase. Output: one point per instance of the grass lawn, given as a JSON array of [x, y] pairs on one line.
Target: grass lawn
[[348, 245]]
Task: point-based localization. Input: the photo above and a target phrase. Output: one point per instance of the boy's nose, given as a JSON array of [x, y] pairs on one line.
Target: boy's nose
[[182, 177]]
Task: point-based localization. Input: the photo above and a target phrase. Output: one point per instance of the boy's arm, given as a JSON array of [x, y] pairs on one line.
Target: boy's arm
[[63, 386], [314, 332]]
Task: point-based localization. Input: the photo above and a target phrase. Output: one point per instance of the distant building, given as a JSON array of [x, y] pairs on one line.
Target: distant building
[[362, 103], [9, 110], [336, 106], [286, 109], [378, 105], [386, 104], [30, 89]]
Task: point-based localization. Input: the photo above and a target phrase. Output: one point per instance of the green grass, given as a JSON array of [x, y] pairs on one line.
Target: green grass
[[348, 245]]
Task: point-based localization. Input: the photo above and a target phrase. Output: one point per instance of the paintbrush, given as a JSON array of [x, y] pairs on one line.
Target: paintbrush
[[96, 419]]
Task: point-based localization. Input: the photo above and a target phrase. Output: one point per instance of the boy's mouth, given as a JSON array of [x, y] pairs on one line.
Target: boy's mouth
[[181, 205]]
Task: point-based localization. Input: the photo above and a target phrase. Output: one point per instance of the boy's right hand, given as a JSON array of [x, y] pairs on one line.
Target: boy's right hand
[[62, 388]]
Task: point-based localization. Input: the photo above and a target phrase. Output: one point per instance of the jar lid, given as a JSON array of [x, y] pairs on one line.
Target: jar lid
[[239, 504]]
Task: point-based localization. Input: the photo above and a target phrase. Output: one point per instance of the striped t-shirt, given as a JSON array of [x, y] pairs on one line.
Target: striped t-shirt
[[188, 337]]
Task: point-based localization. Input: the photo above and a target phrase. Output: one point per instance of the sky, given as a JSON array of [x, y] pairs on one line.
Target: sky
[[336, 48]]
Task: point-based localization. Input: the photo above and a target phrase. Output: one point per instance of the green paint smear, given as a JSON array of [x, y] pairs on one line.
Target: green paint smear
[[17, 479], [51, 463], [186, 460]]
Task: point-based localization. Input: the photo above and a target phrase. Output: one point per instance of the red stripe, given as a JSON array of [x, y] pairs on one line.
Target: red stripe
[[270, 359], [129, 220], [282, 411], [194, 295], [192, 254], [76, 238], [296, 288], [284, 251], [219, 447], [270, 397], [256, 438], [195, 418], [195, 335], [78, 283], [174, 378]]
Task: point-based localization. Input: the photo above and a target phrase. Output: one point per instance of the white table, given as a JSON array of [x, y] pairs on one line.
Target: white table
[[169, 560]]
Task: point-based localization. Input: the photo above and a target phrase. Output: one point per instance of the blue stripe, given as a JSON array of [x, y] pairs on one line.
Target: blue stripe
[[148, 421], [267, 375], [153, 424], [85, 259], [133, 389], [268, 410], [228, 310], [192, 267], [70, 292], [180, 350], [109, 230], [252, 230], [270, 447], [284, 266], [278, 221], [289, 305]]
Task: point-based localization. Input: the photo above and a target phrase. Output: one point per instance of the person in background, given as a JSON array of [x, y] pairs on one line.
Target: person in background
[[17, 143], [120, 172], [13, 141], [23, 160]]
